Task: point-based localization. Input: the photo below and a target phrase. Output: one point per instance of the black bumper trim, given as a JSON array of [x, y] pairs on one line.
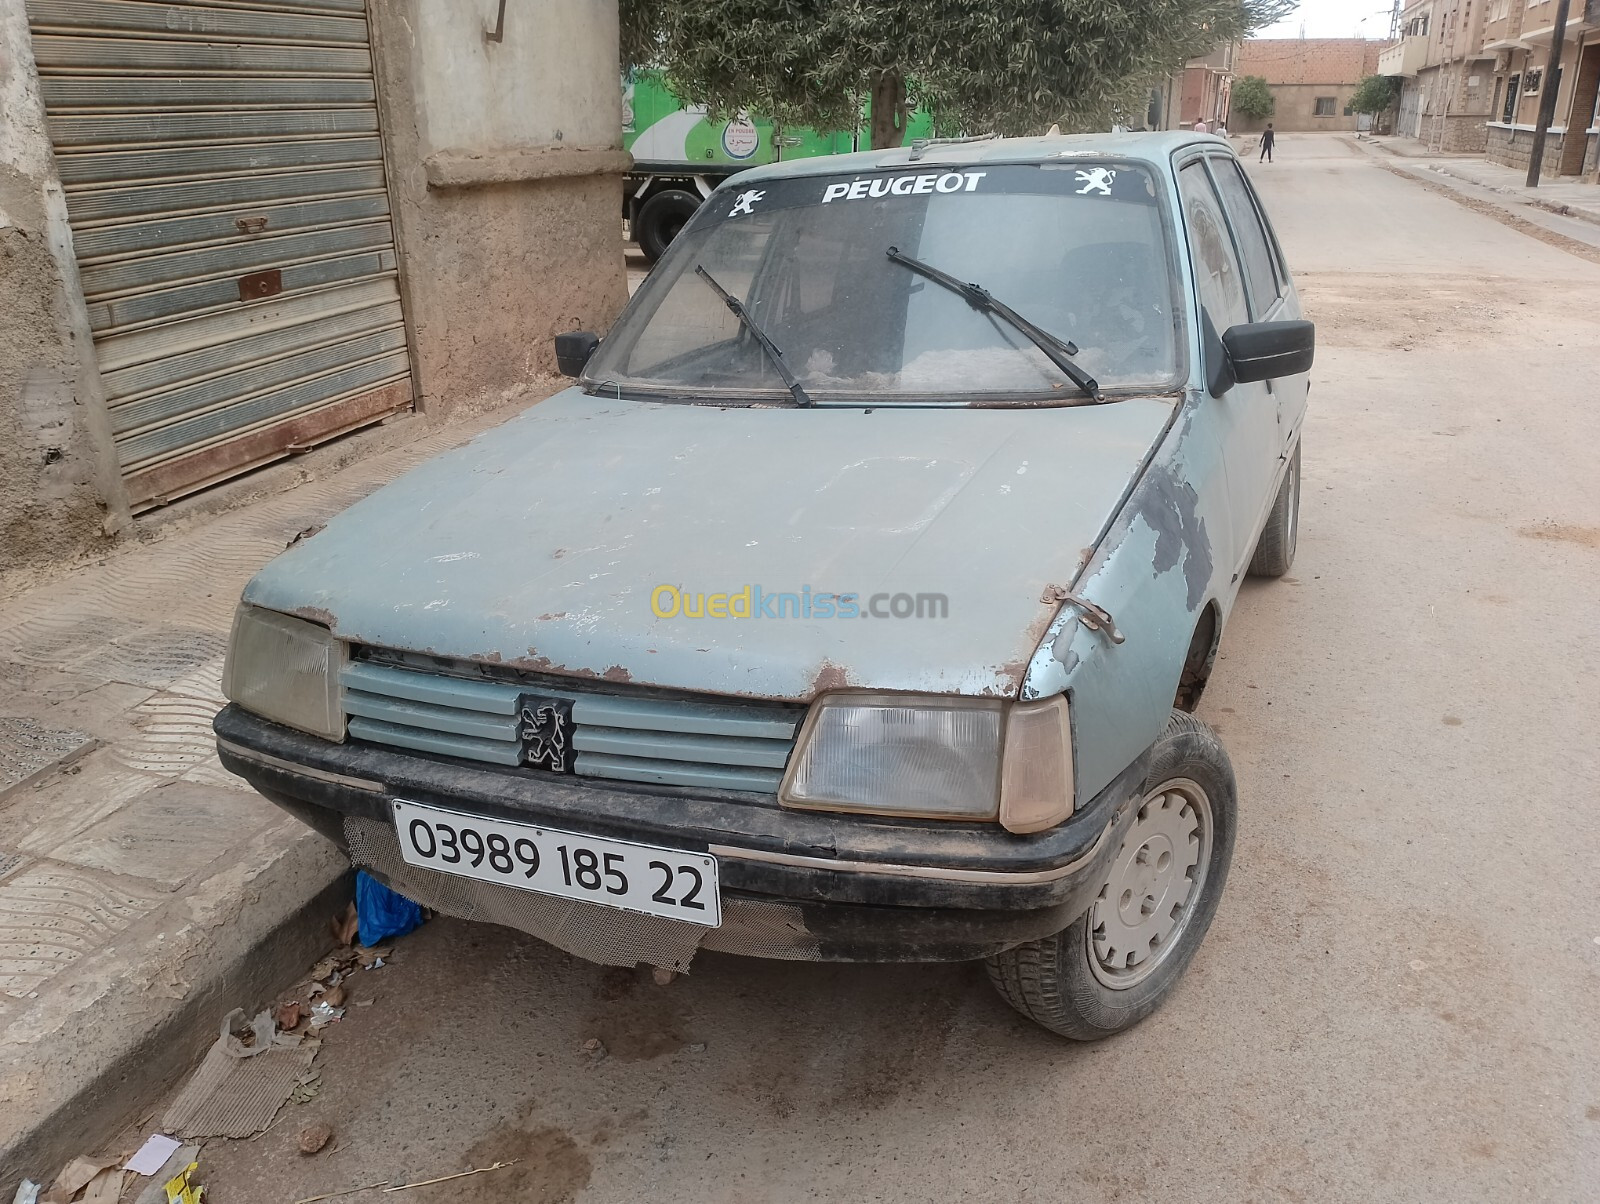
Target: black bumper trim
[[302, 773]]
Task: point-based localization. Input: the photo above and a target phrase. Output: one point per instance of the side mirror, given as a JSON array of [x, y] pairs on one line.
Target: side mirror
[[573, 349], [1270, 350]]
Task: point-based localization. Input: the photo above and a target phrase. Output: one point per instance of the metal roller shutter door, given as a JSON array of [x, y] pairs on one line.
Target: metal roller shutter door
[[224, 182]]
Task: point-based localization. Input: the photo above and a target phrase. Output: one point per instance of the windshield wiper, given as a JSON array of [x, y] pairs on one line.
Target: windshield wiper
[[1059, 351], [801, 397]]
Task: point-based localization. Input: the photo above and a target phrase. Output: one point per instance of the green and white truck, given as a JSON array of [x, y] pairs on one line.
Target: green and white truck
[[680, 154]]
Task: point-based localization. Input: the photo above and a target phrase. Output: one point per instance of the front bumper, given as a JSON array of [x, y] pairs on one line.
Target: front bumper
[[855, 888]]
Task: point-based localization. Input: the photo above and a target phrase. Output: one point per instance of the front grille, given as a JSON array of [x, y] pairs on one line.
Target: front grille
[[622, 737]]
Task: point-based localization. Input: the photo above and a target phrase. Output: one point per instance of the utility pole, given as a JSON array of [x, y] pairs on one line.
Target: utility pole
[[1547, 95]]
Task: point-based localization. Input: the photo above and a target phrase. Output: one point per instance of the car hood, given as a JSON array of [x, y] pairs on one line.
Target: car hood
[[541, 543]]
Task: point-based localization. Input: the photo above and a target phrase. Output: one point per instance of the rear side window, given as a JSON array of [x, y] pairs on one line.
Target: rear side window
[[1216, 268], [1253, 247]]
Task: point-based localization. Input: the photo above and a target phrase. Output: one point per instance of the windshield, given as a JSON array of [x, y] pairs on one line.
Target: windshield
[[1078, 250]]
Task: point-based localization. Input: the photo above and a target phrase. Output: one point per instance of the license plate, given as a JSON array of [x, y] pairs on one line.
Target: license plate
[[614, 873]]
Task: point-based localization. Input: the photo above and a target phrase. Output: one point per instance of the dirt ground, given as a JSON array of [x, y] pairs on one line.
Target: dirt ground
[[1400, 996]]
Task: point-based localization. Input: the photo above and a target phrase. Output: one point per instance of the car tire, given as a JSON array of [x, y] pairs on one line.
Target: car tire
[[660, 218], [1114, 965], [1274, 554]]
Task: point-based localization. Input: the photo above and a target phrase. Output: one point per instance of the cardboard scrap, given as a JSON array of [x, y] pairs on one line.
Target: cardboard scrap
[[104, 1188], [74, 1177]]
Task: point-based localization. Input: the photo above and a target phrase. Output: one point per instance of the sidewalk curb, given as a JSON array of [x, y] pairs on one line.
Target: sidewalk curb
[[247, 932], [1556, 207], [1438, 167]]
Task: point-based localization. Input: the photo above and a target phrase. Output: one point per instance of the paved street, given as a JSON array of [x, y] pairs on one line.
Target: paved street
[[1400, 997]]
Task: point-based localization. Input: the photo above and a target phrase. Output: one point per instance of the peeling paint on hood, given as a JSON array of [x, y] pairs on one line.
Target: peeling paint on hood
[[540, 542]]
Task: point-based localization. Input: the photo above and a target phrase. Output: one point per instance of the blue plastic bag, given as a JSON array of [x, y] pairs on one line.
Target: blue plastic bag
[[381, 913]]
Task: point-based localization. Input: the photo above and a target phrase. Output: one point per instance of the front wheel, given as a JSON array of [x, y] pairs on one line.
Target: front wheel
[[1114, 965]]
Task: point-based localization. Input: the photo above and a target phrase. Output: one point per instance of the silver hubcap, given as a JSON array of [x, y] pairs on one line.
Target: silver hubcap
[[1154, 886]]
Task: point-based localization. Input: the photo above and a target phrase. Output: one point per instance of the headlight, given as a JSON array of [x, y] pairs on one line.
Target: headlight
[[935, 758], [895, 755], [286, 670]]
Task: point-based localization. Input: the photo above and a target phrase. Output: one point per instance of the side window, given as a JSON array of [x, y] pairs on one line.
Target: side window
[[1216, 270], [1251, 237]]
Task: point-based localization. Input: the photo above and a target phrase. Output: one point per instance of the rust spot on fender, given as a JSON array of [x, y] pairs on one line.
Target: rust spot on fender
[[552, 617], [617, 673], [829, 677], [316, 614]]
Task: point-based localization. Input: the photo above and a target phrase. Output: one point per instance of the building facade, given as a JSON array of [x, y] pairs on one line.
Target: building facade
[[231, 232], [1445, 76], [1200, 92], [1473, 72], [1311, 80], [1517, 37]]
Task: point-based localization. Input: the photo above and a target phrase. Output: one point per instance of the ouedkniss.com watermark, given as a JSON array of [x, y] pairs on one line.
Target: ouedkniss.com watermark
[[754, 602]]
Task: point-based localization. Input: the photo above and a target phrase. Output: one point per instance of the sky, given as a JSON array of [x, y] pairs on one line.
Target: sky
[[1333, 19]]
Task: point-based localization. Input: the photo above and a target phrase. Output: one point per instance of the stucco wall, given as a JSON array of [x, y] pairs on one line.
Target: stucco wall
[[505, 167], [60, 494]]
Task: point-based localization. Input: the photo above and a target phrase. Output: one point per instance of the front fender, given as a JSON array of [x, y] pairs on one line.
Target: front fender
[[1154, 572]]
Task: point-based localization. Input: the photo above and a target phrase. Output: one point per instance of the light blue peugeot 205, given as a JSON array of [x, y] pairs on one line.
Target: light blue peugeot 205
[[854, 603]]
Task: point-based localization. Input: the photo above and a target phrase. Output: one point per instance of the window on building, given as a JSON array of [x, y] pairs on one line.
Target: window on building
[[1531, 81], [1495, 103], [1417, 27], [1510, 112], [1327, 106]]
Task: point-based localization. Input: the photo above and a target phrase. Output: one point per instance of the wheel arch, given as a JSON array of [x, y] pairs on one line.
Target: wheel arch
[[1200, 657]]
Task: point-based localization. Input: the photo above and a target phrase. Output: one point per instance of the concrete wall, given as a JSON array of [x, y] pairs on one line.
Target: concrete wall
[[1514, 148], [60, 494], [1464, 135], [505, 167]]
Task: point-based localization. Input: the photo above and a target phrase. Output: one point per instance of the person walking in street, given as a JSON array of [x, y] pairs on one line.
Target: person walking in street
[[1267, 139], [1200, 126]]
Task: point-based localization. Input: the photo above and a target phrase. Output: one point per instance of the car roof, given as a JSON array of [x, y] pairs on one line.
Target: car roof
[[1155, 148]]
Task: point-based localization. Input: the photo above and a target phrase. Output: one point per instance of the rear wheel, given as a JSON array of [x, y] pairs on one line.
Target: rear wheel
[[660, 218], [1114, 965], [1274, 553]]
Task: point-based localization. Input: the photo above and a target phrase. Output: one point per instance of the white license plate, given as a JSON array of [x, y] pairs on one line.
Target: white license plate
[[615, 873]]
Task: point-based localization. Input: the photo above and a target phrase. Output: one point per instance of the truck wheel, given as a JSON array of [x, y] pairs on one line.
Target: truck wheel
[[1275, 549], [1113, 966], [660, 218]]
